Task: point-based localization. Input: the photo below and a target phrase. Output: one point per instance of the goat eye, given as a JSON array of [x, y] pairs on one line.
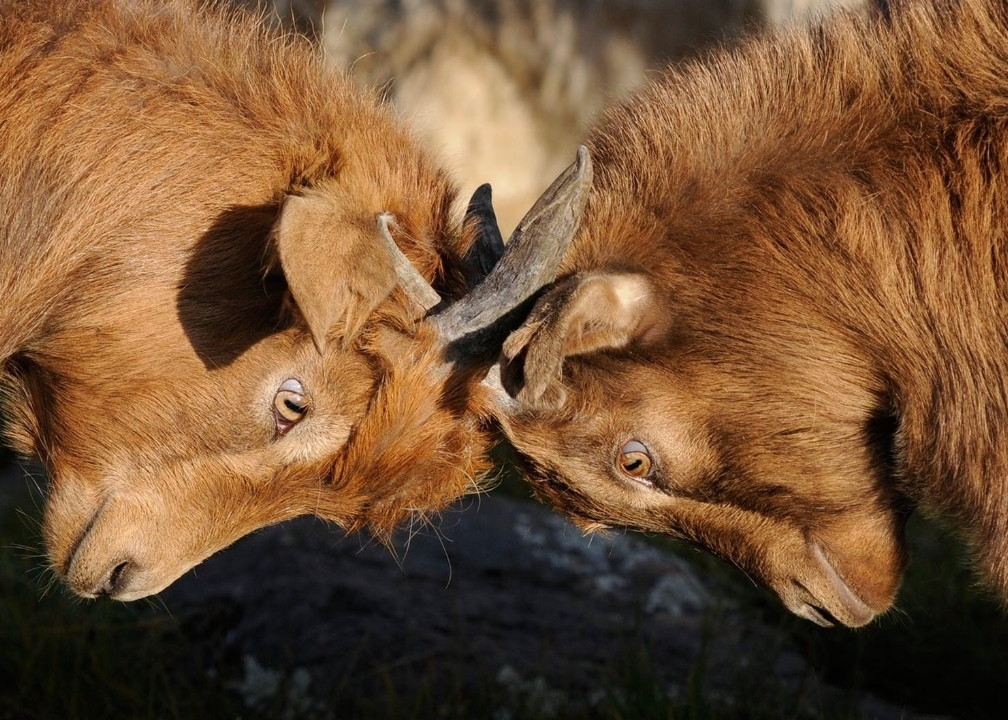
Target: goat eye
[[635, 460], [289, 406]]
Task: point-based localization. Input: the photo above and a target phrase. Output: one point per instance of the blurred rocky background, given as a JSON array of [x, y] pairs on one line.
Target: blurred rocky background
[[500, 611]]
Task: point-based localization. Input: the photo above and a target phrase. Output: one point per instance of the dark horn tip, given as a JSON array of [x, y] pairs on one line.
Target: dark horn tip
[[489, 245], [481, 204], [483, 194]]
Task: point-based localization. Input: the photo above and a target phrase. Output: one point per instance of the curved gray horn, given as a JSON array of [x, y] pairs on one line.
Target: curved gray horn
[[416, 287], [530, 260]]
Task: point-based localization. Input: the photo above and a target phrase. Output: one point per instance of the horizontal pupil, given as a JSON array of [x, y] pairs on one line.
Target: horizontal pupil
[[291, 405], [633, 465]]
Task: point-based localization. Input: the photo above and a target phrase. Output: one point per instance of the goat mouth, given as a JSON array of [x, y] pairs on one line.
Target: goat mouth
[[857, 611], [79, 540], [820, 616]]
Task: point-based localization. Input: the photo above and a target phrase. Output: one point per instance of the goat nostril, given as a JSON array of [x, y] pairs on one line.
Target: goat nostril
[[115, 580]]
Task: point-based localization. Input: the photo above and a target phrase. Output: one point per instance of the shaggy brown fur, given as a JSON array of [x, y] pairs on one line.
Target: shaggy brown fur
[[147, 150], [791, 286]]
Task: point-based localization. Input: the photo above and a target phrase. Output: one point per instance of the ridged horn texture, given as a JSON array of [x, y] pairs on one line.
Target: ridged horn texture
[[478, 322]]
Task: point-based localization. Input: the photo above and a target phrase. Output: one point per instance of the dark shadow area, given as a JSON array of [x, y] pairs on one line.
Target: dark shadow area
[[505, 611], [942, 648], [227, 300]]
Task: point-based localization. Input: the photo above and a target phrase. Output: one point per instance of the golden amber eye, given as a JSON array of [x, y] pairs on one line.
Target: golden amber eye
[[289, 405], [635, 459]]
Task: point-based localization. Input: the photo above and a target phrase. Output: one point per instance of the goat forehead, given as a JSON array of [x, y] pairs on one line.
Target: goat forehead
[[631, 393]]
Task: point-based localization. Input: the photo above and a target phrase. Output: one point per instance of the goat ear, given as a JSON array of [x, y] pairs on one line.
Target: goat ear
[[580, 315], [335, 268]]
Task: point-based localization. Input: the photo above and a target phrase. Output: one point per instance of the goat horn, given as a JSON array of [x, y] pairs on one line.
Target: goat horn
[[529, 262], [412, 282], [489, 245]]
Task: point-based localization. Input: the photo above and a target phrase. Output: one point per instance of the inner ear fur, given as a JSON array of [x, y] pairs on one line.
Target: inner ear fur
[[580, 315], [336, 270]]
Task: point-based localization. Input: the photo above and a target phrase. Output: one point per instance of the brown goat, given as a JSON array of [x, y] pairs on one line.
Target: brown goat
[[201, 330], [783, 322]]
